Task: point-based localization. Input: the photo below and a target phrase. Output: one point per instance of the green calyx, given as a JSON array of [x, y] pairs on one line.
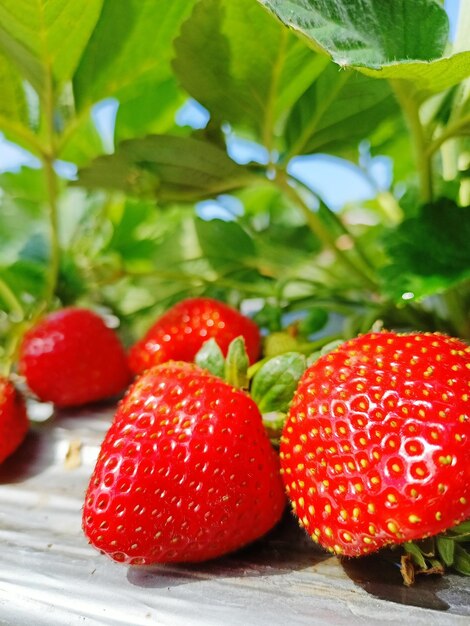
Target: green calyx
[[434, 555]]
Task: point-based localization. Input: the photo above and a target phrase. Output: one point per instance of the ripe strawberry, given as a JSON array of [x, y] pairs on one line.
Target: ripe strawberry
[[71, 358], [185, 473], [375, 449], [180, 332], [14, 422]]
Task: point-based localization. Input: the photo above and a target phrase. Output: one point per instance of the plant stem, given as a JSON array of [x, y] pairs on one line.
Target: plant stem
[[11, 300], [321, 231], [338, 222], [54, 261], [12, 344], [48, 158], [452, 130], [410, 108], [457, 313], [184, 277]]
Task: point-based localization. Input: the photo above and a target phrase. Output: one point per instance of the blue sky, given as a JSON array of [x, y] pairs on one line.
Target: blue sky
[[320, 172]]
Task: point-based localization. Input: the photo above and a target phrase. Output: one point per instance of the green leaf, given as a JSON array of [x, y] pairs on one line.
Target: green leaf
[[243, 66], [461, 560], [84, 144], [25, 184], [338, 110], [21, 211], [12, 102], [225, 244], [369, 33], [446, 549], [400, 40], [314, 321], [211, 358], [46, 37], [462, 529], [149, 108], [26, 277], [236, 364], [131, 44], [275, 382], [429, 253], [167, 167], [424, 78]]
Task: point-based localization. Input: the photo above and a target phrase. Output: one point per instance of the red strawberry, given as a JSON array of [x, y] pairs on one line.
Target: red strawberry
[[71, 358], [185, 473], [375, 449], [180, 332], [14, 422]]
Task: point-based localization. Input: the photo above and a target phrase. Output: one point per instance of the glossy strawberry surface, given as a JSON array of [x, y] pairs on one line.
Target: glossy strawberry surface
[[72, 358], [375, 449], [14, 422], [186, 471], [180, 333]]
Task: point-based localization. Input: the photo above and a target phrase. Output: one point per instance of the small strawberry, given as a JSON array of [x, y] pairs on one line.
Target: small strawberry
[[180, 332], [375, 449], [72, 358], [14, 422], [186, 471]]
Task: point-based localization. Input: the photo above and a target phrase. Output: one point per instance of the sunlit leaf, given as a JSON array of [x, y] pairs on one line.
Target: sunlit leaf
[[12, 101], [131, 44], [149, 109], [46, 37], [243, 66], [399, 40], [84, 144], [338, 110], [368, 33]]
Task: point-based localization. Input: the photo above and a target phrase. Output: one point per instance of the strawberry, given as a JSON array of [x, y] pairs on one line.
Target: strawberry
[[14, 422], [186, 471], [180, 332], [375, 449], [72, 358]]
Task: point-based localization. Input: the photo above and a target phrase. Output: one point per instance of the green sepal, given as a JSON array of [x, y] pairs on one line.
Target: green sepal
[[461, 561], [461, 532], [211, 358], [274, 423], [416, 554], [236, 364], [446, 549], [275, 382]]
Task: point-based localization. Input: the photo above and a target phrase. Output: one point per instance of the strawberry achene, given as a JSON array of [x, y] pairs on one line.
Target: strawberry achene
[[181, 331], [186, 471], [72, 358], [375, 449]]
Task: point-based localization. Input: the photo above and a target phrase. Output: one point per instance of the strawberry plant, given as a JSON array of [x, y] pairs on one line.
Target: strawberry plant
[[174, 151]]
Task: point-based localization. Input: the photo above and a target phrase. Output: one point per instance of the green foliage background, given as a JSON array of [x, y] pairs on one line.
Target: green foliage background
[[349, 79]]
